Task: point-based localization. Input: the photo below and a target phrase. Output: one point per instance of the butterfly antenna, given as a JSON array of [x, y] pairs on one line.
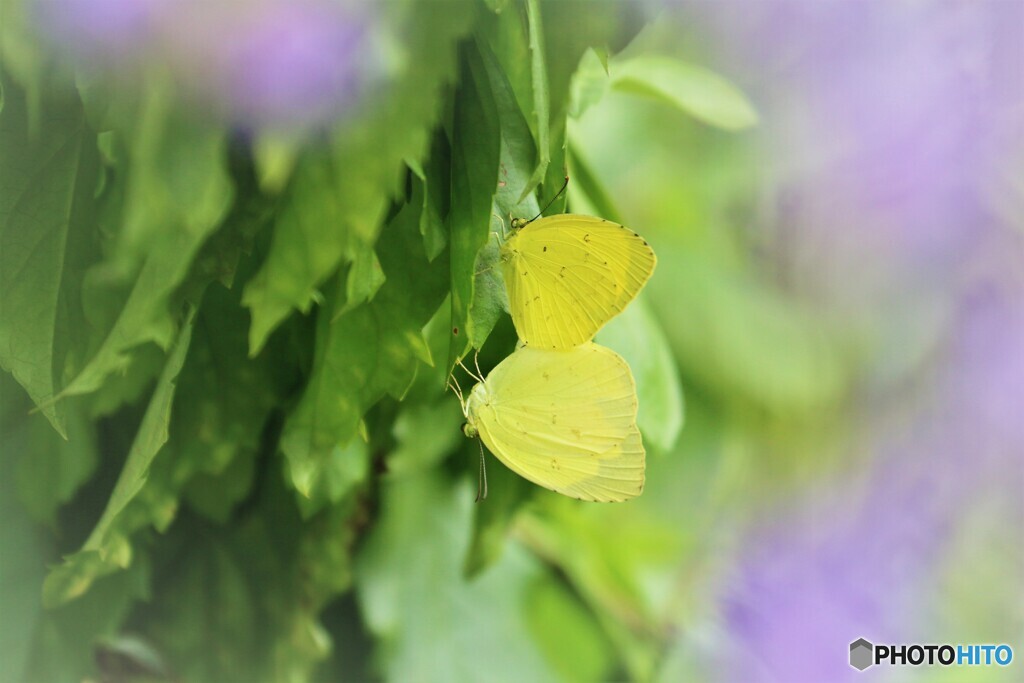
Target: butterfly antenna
[[557, 195], [481, 481]]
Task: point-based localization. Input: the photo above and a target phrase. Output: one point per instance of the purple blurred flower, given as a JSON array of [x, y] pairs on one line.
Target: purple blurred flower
[[103, 30], [294, 63], [842, 566], [281, 64], [876, 122]]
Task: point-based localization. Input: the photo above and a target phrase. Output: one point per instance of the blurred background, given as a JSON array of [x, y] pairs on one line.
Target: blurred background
[[840, 289]]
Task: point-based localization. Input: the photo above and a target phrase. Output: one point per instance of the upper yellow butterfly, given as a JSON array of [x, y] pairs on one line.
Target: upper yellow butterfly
[[568, 275]]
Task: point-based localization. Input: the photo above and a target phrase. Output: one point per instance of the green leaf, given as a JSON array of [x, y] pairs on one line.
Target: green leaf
[[475, 163], [47, 180], [370, 351], [414, 599], [605, 552], [637, 337], [436, 177], [366, 156], [328, 480], [107, 547], [589, 83], [567, 634], [701, 93], [538, 70]]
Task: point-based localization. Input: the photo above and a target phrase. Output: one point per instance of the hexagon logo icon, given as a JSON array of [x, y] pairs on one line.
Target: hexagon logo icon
[[861, 654]]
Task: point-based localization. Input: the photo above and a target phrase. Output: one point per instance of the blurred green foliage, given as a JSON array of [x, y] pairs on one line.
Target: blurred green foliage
[[240, 344]]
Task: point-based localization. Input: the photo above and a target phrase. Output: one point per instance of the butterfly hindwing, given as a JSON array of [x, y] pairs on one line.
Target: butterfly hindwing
[[566, 421]]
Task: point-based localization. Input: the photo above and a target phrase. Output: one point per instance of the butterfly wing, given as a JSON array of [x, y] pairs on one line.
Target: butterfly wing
[[568, 275], [566, 420]]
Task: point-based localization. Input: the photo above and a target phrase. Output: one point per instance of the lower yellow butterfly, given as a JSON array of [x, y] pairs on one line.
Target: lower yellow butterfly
[[565, 420], [567, 275]]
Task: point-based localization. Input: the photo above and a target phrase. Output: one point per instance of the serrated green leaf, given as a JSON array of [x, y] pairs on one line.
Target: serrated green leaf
[[475, 162], [436, 177], [327, 481], [107, 549], [368, 352], [637, 337], [365, 277], [46, 183], [414, 599], [310, 239], [695, 90]]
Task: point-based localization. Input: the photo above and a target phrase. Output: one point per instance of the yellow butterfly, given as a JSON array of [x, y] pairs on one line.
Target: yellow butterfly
[[565, 420], [568, 275]]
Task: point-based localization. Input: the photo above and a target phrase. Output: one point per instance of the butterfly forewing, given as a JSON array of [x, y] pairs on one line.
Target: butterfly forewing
[[568, 275]]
